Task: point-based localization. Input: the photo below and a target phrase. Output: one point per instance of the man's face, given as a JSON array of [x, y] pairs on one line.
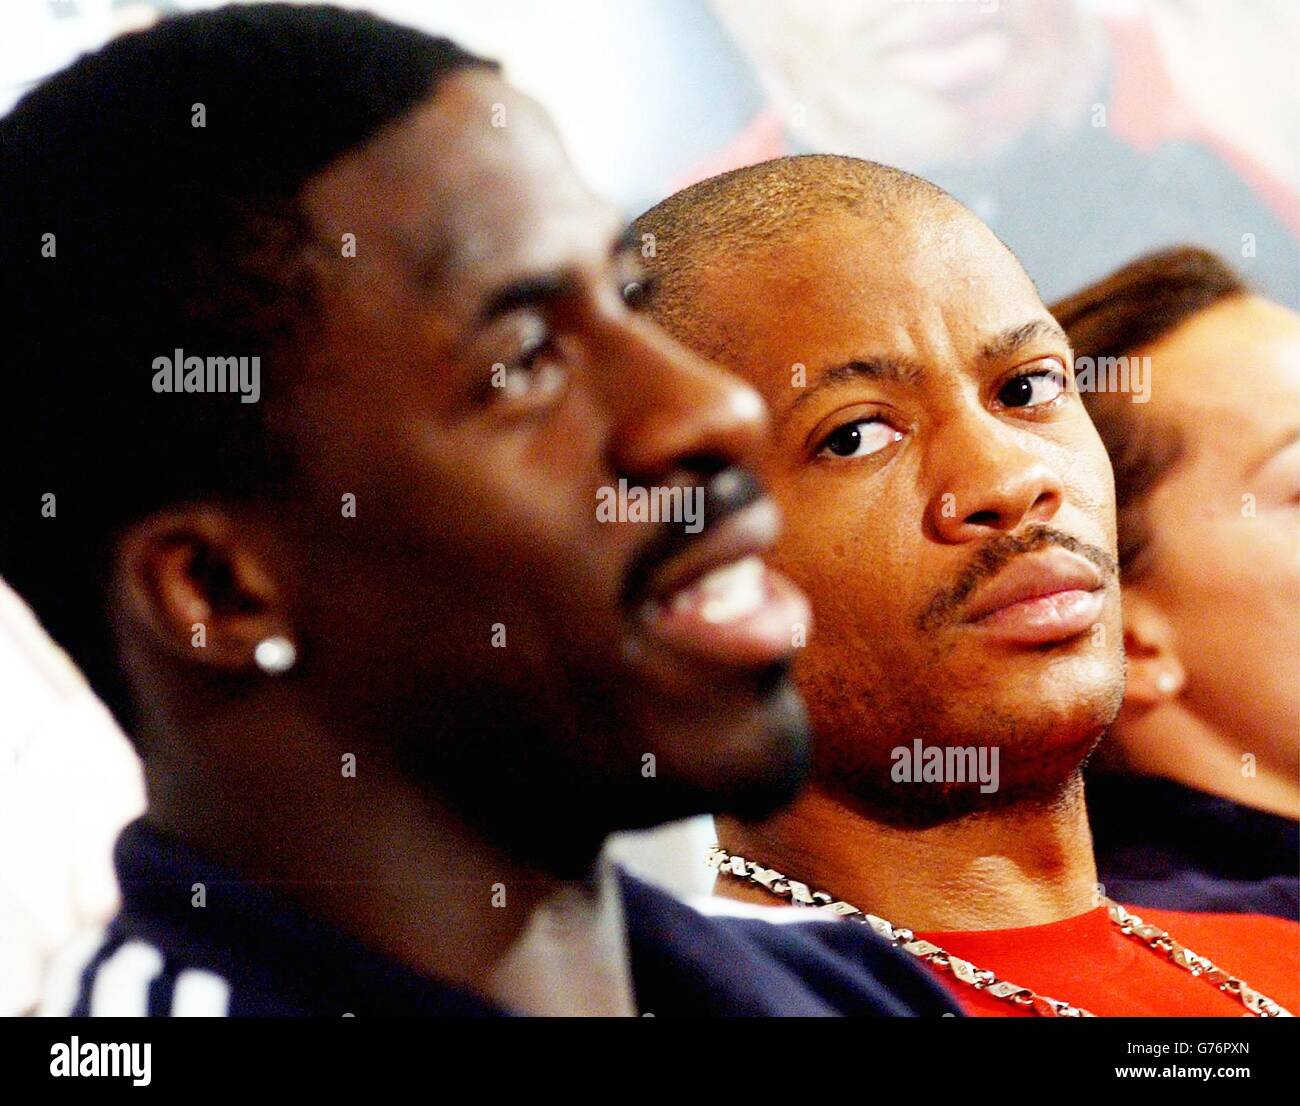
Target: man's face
[[920, 84], [476, 381], [949, 507]]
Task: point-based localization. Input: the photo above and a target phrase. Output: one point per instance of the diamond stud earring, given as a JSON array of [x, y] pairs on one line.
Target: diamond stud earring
[[275, 655], [1166, 683]]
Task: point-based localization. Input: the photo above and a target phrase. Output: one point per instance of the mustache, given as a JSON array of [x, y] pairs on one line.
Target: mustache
[[726, 491], [995, 554]]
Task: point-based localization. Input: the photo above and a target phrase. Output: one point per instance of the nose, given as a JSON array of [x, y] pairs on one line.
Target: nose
[[672, 411], [987, 482]]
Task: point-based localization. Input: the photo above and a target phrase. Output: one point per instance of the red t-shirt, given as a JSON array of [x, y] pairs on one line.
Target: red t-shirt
[[1086, 961]]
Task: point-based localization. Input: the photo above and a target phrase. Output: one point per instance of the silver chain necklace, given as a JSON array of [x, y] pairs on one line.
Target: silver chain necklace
[[982, 979]]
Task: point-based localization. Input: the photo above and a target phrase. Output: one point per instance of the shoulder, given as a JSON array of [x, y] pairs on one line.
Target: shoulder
[[770, 953], [835, 950], [1262, 950], [1223, 928]]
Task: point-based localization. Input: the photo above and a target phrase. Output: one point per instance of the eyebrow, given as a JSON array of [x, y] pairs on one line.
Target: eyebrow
[[1288, 439], [1011, 341], [895, 370], [892, 370], [629, 239], [525, 292], [544, 288]]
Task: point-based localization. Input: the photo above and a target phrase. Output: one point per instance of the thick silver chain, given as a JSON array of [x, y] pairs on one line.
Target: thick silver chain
[[982, 979]]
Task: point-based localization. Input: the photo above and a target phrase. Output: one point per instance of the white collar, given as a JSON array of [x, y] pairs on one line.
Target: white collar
[[571, 959]]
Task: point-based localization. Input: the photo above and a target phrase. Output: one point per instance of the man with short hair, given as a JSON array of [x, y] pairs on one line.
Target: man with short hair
[[950, 513], [325, 365]]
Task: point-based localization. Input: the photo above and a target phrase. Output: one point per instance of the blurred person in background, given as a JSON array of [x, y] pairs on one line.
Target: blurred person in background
[[1195, 794], [1080, 131]]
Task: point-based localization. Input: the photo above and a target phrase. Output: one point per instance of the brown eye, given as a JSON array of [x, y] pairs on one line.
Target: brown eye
[[860, 439], [636, 293], [1032, 389]]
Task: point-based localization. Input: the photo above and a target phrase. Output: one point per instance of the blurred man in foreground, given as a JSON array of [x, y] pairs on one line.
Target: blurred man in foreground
[[326, 367]]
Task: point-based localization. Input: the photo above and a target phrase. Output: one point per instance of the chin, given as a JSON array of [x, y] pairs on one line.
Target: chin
[[550, 795], [1051, 692], [750, 764], [1028, 772], [1042, 742]]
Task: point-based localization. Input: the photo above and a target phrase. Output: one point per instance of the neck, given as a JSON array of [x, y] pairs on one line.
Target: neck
[[368, 852], [1019, 866], [1170, 742]]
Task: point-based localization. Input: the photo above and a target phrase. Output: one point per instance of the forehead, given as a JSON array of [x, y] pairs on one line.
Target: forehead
[[468, 188], [1241, 355], [933, 286]]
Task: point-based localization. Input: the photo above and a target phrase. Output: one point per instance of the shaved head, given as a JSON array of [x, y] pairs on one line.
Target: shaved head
[[743, 214]]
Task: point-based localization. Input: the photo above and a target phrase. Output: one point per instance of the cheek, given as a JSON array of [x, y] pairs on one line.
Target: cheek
[[1234, 579], [1251, 561], [1089, 480], [1218, 545], [848, 551], [509, 528], [556, 555]]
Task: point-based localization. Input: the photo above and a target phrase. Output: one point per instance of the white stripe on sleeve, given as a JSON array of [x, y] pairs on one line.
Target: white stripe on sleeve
[[200, 994], [121, 985]]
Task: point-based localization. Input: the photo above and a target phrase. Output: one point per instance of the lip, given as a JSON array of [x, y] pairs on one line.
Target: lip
[[952, 63], [679, 615], [749, 531], [1043, 597]]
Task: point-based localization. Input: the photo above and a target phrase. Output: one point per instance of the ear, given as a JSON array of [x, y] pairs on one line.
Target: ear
[[198, 582], [1155, 672]]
